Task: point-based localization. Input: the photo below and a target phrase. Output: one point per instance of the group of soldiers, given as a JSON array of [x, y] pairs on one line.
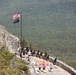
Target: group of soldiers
[[45, 56], [34, 53]]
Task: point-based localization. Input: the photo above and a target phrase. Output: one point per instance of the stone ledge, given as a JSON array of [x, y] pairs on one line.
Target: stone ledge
[[64, 66]]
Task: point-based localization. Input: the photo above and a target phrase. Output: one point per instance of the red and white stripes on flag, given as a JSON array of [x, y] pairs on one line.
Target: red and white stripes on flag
[[16, 17]]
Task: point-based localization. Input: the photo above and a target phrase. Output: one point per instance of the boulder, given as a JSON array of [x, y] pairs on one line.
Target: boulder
[[8, 40]]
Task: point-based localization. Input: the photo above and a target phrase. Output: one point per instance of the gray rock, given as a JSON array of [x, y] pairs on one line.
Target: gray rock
[[8, 40]]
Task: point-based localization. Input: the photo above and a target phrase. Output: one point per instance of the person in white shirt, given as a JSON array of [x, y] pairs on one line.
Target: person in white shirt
[[29, 53], [51, 66]]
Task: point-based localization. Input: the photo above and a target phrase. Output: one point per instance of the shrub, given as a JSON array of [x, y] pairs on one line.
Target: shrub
[[20, 61], [7, 55], [2, 73], [23, 67]]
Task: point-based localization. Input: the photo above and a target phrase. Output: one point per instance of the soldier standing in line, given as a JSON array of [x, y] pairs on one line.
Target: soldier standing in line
[[37, 53], [55, 60]]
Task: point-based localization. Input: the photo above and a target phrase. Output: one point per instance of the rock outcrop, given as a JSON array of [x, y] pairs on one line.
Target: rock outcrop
[[8, 40]]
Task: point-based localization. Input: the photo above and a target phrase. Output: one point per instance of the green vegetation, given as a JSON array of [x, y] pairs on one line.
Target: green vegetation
[[49, 25], [10, 65]]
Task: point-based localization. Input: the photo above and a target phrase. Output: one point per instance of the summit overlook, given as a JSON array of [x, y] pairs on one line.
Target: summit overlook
[[49, 25]]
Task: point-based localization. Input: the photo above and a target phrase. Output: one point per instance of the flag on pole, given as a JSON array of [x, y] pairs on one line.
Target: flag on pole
[[16, 17]]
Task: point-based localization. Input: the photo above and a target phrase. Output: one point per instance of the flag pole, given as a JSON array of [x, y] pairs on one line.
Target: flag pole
[[21, 30]]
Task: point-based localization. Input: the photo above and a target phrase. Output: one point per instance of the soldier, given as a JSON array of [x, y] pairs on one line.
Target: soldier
[[47, 57], [40, 54], [37, 54], [55, 60]]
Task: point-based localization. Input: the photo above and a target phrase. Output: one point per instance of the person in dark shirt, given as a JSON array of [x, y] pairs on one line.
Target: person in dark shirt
[[41, 53], [55, 60], [45, 53], [37, 53], [40, 66], [33, 52], [47, 57], [21, 55]]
